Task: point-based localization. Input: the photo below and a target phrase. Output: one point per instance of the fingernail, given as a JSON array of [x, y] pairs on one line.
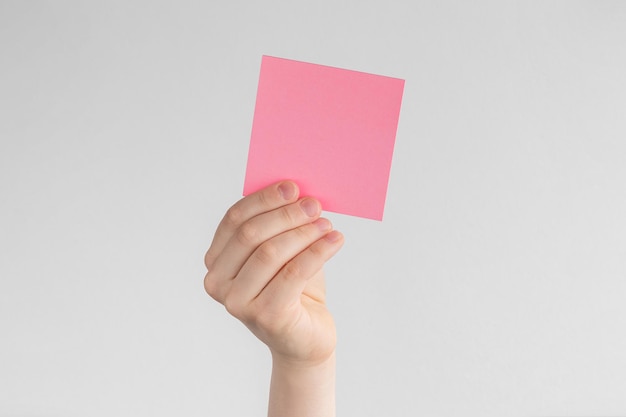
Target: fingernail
[[310, 207], [333, 236], [287, 190], [323, 224]]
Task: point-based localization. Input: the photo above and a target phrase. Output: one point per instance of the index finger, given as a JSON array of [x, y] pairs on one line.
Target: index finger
[[262, 201]]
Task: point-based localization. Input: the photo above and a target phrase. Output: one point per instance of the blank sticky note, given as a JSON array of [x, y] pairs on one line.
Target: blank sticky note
[[330, 130]]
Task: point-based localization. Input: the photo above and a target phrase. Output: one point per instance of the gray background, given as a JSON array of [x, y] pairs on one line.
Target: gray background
[[494, 286]]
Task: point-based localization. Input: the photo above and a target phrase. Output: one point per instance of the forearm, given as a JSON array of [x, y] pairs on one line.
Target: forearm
[[302, 391]]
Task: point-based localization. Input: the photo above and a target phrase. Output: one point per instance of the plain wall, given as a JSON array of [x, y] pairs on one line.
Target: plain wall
[[494, 286]]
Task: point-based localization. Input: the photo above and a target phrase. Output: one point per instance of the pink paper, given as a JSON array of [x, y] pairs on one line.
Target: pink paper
[[330, 130]]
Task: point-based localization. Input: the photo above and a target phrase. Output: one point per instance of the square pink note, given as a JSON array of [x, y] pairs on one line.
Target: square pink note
[[330, 130]]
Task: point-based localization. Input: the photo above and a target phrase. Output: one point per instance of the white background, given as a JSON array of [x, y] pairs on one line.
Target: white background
[[495, 285]]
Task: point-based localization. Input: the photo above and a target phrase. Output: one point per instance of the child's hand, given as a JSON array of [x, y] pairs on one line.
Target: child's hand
[[265, 266]]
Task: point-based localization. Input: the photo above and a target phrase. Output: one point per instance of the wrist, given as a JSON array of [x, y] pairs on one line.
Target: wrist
[[281, 361], [302, 388]]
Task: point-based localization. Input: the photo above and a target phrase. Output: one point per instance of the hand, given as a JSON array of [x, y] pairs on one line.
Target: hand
[[265, 266]]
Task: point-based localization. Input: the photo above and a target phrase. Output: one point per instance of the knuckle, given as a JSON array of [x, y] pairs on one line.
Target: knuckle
[[233, 306], [248, 234], [288, 215], [208, 260], [305, 233], [317, 251], [238, 309], [292, 270], [266, 253], [211, 286], [234, 216], [263, 199]]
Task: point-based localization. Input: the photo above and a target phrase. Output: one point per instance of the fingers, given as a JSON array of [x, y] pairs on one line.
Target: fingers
[[266, 249], [285, 289], [268, 259], [263, 201], [254, 232]]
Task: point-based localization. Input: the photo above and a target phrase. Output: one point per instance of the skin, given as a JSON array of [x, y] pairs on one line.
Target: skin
[[265, 266]]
